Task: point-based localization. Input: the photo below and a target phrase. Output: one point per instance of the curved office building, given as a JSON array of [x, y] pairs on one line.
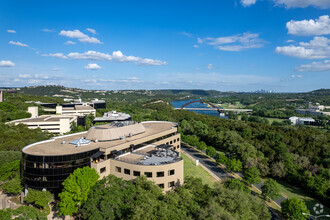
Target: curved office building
[[148, 148]]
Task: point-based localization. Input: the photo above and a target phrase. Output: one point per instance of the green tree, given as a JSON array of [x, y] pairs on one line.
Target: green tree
[[236, 184], [38, 198], [211, 151], [75, 190], [293, 209], [13, 186], [234, 165], [9, 170], [222, 158], [251, 175], [271, 189]]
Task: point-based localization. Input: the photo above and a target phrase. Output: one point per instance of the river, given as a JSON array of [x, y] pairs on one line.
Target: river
[[178, 104]]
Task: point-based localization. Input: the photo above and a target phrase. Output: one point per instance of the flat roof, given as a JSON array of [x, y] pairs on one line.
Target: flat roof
[[55, 147], [44, 118]]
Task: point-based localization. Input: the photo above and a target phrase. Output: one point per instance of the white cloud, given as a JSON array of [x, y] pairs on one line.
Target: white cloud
[[93, 66], [318, 48], [303, 3], [196, 46], [210, 66], [92, 40], [116, 56], [320, 26], [236, 42], [24, 76], [314, 67], [73, 34], [6, 63], [81, 36], [47, 30], [11, 31], [57, 55], [56, 69], [186, 34], [70, 42], [295, 76], [247, 3], [91, 30], [17, 43], [290, 41]]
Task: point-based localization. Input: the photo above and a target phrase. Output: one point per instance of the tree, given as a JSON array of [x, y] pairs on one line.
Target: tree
[[278, 169], [75, 190], [293, 209], [13, 186], [251, 175], [236, 184], [271, 189], [9, 170], [211, 152], [221, 158], [38, 198], [234, 165]]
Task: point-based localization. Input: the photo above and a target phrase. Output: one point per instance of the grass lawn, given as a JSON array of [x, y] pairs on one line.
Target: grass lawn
[[291, 191], [274, 119], [190, 169]]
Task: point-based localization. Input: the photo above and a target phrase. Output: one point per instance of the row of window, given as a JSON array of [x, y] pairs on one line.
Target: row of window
[[170, 184], [138, 173]]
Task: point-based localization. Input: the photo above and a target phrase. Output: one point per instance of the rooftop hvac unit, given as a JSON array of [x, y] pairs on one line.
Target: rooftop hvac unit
[[130, 135], [63, 142], [122, 137]]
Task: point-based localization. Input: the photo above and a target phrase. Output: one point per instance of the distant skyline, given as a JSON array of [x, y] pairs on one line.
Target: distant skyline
[[232, 45]]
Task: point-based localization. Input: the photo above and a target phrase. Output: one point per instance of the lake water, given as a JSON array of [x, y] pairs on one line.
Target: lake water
[[179, 104]]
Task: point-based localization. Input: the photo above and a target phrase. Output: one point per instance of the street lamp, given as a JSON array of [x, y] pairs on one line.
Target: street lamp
[[316, 217]]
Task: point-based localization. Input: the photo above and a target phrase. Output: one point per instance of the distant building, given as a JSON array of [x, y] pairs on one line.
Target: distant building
[[76, 110], [302, 121], [150, 148], [313, 110], [1, 96], [113, 116]]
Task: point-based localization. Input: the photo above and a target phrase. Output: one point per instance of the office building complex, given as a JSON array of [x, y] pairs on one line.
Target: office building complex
[[113, 116], [76, 110], [127, 151]]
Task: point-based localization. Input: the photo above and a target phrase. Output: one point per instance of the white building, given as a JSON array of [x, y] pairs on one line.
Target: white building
[[77, 110], [302, 121]]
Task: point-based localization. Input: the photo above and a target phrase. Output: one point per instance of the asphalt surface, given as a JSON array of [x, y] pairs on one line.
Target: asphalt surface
[[221, 173]]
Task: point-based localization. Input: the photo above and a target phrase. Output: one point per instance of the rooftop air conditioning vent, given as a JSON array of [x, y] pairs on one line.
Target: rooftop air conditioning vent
[[63, 142], [130, 135], [96, 141], [122, 137]]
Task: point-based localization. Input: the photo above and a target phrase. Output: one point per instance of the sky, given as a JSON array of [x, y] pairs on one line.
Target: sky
[[226, 45]]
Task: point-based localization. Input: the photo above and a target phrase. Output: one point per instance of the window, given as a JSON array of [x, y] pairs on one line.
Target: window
[[174, 140], [161, 185], [171, 142], [171, 184], [166, 143], [127, 171], [178, 139], [136, 173], [171, 172], [118, 169], [160, 174], [102, 170], [148, 174]]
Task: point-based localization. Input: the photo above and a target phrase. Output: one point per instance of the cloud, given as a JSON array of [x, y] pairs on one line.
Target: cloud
[[320, 26], [70, 42], [17, 43], [314, 67], [91, 30], [318, 48], [186, 34], [303, 3], [247, 3], [11, 31], [295, 76], [236, 42], [196, 46], [81, 36], [210, 66], [100, 81], [290, 41], [6, 63], [93, 66], [47, 30], [24, 76], [92, 40], [57, 55], [116, 56], [56, 69]]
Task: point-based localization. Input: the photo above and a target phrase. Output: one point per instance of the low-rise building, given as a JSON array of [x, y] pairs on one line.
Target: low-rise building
[[150, 148], [113, 116], [76, 110], [302, 121]]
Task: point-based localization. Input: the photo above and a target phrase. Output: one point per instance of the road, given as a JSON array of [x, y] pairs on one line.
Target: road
[[221, 173]]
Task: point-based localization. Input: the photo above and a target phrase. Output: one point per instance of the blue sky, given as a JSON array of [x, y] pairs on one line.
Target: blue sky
[[227, 45]]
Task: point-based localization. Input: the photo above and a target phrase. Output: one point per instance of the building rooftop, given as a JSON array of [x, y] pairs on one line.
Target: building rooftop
[[44, 118], [61, 145], [113, 116], [151, 155]]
